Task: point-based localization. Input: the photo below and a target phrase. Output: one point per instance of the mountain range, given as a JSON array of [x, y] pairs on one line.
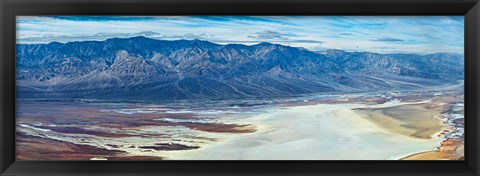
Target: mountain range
[[145, 69]]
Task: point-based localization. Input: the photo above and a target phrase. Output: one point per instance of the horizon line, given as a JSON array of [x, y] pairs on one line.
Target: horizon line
[[255, 43]]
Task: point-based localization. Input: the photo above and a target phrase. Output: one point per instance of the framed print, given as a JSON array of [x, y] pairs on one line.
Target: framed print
[[204, 88], [256, 87]]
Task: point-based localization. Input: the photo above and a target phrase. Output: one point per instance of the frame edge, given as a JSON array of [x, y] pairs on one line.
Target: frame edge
[[472, 29], [2, 141], [7, 131], [473, 17]]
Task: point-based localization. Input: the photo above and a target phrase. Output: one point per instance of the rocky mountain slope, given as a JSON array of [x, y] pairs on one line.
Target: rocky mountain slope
[[144, 69]]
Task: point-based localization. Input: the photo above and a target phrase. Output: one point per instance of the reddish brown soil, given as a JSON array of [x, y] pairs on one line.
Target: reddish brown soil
[[36, 148], [450, 149]]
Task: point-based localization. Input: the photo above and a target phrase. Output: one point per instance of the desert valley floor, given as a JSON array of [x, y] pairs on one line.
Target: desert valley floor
[[415, 125]]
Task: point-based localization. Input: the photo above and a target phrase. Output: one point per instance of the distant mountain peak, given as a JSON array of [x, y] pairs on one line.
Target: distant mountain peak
[[198, 41], [55, 44], [139, 37], [265, 44]]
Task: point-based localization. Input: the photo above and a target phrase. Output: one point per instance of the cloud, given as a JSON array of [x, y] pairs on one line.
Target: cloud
[[267, 35], [388, 39], [420, 34], [188, 36], [271, 41], [96, 37], [381, 48], [103, 18], [306, 41], [277, 37]]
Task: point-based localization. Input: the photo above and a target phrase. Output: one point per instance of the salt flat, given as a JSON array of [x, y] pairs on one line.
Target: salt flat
[[313, 132]]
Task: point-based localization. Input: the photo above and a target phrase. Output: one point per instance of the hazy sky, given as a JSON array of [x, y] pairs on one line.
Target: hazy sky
[[387, 34]]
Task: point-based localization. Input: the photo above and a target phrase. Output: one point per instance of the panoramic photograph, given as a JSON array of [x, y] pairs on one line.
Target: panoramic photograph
[[136, 88]]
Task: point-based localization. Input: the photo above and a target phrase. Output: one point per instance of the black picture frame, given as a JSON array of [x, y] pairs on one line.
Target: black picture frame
[[11, 8]]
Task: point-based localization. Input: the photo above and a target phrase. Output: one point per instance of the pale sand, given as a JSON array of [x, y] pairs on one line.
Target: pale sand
[[431, 155], [313, 132], [411, 120]]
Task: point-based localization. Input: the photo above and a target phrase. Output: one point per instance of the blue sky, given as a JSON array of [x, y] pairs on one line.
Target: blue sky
[[382, 34]]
